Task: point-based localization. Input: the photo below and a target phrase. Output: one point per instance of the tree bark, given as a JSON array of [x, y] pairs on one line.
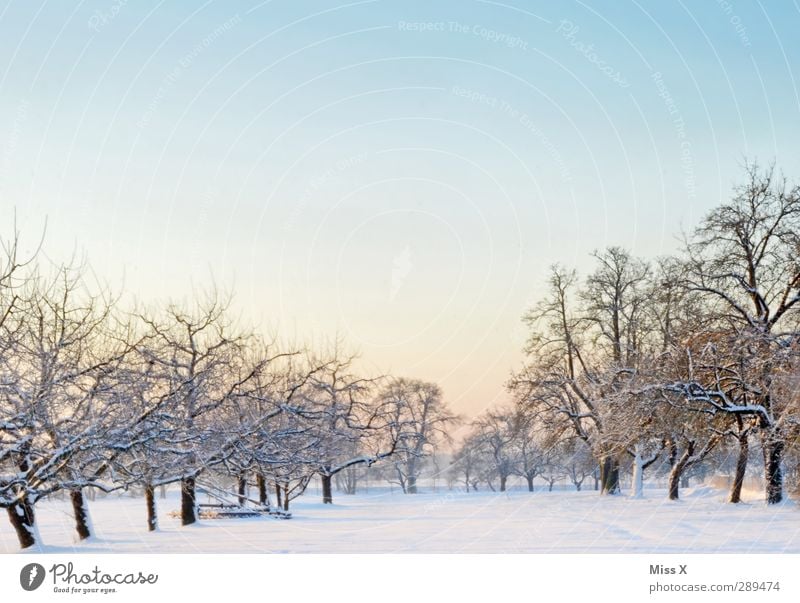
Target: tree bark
[[286, 497], [278, 495], [261, 484], [81, 513], [638, 474], [676, 473], [609, 475], [530, 483], [773, 472], [242, 490], [411, 486], [503, 479], [327, 491], [22, 518], [150, 502], [188, 501], [674, 484], [741, 468]]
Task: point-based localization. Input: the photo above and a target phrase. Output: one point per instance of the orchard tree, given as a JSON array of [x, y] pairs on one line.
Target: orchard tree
[[199, 349], [55, 394], [421, 421], [350, 422], [578, 355], [470, 462], [743, 260], [496, 432]]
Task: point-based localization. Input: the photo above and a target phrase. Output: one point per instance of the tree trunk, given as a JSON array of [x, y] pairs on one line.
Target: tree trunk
[[773, 472], [638, 474], [286, 497], [578, 486], [609, 475], [503, 479], [81, 513], [188, 501], [327, 491], [676, 473], [242, 490], [411, 476], [22, 518], [741, 468], [150, 502], [674, 484], [530, 482], [278, 495], [261, 484]]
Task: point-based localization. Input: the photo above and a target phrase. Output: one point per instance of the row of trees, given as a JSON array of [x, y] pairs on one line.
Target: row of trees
[[674, 358], [93, 396]]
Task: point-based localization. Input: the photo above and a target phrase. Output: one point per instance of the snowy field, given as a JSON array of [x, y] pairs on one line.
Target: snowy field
[[444, 522]]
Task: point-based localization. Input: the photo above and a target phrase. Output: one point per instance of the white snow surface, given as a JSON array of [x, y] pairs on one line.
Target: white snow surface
[[442, 522]]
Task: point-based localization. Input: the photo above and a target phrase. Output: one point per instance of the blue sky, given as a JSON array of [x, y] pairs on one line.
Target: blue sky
[[397, 173]]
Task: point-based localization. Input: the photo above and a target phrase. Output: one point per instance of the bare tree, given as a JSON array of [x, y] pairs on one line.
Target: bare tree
[[55, 393], [350, 422], [200, 350], [496, 431], [469, 463], [743, 260], [422, 421], [582, 357]]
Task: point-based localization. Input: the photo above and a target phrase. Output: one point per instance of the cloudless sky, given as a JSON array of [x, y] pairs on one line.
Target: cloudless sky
[[400, 174]]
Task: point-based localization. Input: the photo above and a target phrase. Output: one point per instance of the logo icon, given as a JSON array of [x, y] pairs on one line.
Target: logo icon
[[31, 576]]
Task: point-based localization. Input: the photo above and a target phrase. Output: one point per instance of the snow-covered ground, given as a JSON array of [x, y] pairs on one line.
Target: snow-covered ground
[[443, 522]]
